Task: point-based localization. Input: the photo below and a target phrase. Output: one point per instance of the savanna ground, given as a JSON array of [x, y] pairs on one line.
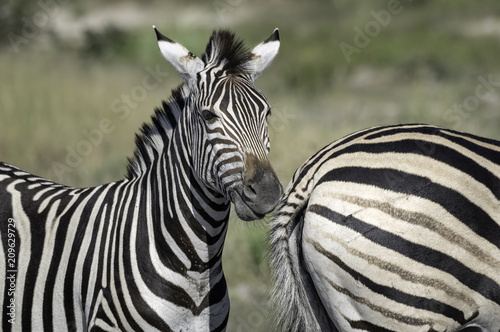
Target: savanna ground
[[72, 91]]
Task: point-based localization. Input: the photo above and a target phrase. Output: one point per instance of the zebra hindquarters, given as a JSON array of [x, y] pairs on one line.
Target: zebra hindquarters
[[383, 259]]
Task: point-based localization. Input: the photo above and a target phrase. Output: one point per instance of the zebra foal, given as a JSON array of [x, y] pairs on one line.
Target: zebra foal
[[392, 228], [145, 253]]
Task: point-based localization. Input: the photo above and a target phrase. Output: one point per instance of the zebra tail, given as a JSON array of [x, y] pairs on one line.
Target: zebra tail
[[292, 291]]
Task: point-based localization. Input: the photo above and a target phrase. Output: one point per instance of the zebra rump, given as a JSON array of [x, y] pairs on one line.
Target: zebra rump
[[393, 228]]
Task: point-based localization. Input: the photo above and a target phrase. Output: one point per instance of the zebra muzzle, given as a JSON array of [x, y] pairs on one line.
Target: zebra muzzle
[[259, 193]]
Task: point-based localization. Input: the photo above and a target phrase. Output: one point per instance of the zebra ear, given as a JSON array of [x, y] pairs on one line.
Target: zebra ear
[[185, 62], [263, 54]]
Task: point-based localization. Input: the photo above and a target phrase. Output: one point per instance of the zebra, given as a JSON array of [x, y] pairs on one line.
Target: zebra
[[392, 228], [145, 253]]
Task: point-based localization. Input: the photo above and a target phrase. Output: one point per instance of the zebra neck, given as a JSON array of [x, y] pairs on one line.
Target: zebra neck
[[191, 217]]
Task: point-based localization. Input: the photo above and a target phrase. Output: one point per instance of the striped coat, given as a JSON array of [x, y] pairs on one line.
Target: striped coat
[[145, 253], [392, 228]]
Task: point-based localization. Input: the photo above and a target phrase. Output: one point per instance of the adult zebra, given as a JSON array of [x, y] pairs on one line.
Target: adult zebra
[[145, 253], [393, 228]]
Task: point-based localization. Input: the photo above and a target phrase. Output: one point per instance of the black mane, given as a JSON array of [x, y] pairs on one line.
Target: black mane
[[154, 137], [224, 45]]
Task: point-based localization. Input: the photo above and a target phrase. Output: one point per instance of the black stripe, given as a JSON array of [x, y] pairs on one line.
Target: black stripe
[[366, 326], [427, 256], [409, 184], [442, 153], [56, 262], [96, 244], [313, 160], [114, 229], [423, 147], [126, 219], [389, 292], [491, 155], [437, 152], [75, 250], [404, 129], [457, 136]]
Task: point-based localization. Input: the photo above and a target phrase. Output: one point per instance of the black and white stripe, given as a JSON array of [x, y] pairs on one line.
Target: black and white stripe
[[144, 253], [392, 228]]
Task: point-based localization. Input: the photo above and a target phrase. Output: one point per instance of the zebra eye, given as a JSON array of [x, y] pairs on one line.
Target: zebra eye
[[208, 115], [268, 112]]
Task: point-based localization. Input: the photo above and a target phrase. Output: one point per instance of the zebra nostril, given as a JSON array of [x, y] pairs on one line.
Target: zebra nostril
[[249, 191]]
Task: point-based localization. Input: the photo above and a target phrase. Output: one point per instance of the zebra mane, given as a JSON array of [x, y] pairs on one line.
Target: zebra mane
[[225, 47], [154, 137]]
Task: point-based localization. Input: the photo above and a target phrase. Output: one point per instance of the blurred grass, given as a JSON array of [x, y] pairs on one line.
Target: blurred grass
[[427, 59]]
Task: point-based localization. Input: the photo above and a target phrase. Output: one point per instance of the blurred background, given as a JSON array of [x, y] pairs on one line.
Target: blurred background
[[73, 91]]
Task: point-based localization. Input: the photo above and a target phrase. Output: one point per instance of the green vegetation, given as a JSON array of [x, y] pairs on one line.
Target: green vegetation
[[424, 64]]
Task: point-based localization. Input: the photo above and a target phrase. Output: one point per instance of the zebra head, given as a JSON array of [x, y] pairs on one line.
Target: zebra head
[[227, 119]]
